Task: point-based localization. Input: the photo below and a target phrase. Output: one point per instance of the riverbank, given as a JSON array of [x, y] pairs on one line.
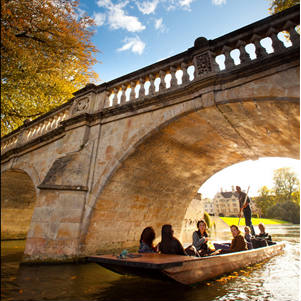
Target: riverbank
[[255, 221]]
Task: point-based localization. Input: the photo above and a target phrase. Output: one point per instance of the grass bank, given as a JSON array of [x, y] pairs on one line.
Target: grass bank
[[255, 221]]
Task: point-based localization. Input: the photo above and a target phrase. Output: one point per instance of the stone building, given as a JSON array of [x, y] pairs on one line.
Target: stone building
[[226, 203]]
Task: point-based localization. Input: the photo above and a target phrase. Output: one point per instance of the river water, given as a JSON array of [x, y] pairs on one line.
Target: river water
[[276, 279]]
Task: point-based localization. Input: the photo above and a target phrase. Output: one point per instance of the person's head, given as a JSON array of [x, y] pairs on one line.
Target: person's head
[[238, 189], [247, 230], [235, 230], [261, 227], [202, 226], [166, 232], [147, 236]]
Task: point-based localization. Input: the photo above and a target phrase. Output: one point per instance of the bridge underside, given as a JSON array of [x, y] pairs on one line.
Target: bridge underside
[[18, 198], [157, 182]]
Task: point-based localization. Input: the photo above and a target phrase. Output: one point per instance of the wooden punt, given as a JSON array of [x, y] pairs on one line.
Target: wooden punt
[[185, 269]]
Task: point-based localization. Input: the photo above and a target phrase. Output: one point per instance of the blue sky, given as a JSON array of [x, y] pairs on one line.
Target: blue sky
[[133, 34]]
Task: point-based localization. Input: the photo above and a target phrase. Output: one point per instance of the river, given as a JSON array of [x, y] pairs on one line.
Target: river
[[276, 279]]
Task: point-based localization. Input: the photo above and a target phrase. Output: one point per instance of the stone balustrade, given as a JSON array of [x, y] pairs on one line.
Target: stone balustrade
[[250, 44], [34, 129]]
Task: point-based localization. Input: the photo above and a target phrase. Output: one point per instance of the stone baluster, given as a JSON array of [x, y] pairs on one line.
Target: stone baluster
[[142, 89], [277, 45], [60, 119], [52, 125], [132, 94], [115, 98], [29, 133], [65, 113], [48, 126], [43, 127], [173, 81], [185, 77], [123, 97], [162, 84], [34, 132], [244, 56], [151, 90], [229, 63], [294, 36], [260, 51], [106, 103], [38, 132]]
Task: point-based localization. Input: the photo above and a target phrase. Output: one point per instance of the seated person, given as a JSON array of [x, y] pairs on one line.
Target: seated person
[[169, 244], [146, 241], [200, 238], [248, 237], [263, 235], [238, 242]]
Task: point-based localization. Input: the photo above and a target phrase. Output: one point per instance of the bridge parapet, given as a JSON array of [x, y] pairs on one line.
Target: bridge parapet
[[203, 59], [32, 130], [206, 59]]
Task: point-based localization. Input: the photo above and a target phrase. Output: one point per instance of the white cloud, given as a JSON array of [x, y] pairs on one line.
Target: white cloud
[[185, 3], [117, 18], [104, 3], [219, 2], [147, 7], [159, 25], [133, 44], [99, 19]]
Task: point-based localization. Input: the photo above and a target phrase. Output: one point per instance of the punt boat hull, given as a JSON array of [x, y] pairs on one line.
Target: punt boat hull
[[185, 269]]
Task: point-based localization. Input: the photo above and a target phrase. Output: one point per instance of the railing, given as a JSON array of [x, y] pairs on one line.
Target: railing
[[36, 128], [249, 44]]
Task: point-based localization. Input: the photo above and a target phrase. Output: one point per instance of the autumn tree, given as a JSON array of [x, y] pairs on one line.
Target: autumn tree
[[264, 200], [285, 183], [279, 5], [46, 54]]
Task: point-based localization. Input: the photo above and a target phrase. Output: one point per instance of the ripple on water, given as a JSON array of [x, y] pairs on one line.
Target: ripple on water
[[273, 280]]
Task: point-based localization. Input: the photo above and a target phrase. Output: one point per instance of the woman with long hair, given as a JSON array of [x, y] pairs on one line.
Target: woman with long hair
[[146, 241], [169, 244], [238, 242], [200, 238]]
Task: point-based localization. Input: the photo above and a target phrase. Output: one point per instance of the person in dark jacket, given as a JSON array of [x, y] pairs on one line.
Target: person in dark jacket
[[146, 241], [244, 205], [238, 242], [169, 244], [264, 235]]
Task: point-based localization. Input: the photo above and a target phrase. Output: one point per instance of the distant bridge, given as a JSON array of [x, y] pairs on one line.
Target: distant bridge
[[132, 152]]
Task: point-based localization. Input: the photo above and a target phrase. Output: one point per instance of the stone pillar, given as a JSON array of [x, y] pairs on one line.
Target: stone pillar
[[54, 231]]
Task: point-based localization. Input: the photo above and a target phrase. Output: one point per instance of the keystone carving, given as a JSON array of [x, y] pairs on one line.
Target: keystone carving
[[80, 106], [203, 64]]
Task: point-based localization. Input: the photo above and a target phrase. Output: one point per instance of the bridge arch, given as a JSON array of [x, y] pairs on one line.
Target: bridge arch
[[18, 199], [156, 181]]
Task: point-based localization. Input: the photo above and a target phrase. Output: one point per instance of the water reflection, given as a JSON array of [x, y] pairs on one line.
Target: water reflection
[[276, 279]]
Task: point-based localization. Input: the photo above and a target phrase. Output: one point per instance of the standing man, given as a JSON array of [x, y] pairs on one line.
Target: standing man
[[244, 205]]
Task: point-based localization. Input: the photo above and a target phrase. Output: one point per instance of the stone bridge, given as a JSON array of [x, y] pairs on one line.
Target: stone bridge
[[90, 175]]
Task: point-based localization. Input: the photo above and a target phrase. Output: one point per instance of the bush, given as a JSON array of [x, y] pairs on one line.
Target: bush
[[288, 211], [207, 219]]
